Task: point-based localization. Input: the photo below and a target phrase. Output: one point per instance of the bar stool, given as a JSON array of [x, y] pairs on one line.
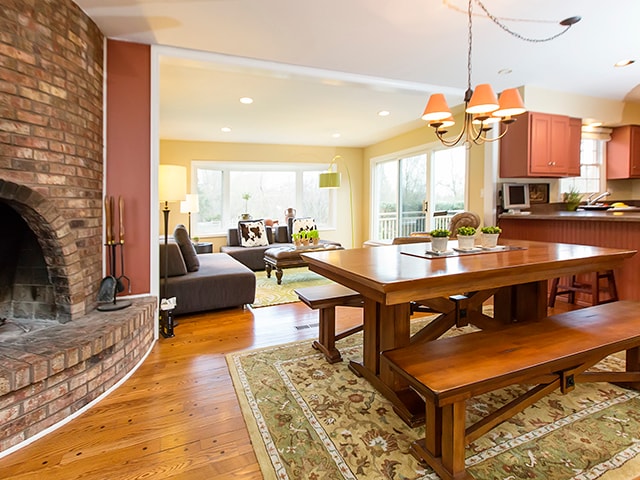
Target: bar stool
[[592, 288]]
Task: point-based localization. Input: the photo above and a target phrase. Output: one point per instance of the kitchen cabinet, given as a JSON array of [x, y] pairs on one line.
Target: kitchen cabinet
[[541, 145], [623, 153]]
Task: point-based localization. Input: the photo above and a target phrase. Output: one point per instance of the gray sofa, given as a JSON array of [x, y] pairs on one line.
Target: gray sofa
[[219, 282], [253, 257]]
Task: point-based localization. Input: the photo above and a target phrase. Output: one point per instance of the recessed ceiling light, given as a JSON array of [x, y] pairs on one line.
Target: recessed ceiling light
[[225, 129], [336, 135], [246, 100], [624, 63], [504, 71], [384, 113]]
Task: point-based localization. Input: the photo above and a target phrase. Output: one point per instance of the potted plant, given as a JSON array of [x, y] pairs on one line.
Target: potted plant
[[466, 238], [304, 238], [314, 236], [296, 239], [246, 215], [572, 198], [439, 239], [490, 236]]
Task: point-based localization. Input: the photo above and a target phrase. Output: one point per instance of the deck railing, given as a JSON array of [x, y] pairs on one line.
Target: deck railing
[[409, 222]]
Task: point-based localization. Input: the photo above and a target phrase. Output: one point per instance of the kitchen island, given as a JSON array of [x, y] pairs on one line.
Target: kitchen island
[[616, 229]]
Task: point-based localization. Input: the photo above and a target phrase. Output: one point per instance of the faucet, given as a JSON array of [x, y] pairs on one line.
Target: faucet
[[593, 202]]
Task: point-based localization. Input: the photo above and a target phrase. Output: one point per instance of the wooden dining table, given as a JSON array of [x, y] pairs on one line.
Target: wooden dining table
[[397, 279]]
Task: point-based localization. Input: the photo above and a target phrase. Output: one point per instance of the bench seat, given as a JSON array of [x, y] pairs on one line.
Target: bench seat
[[552, 353], [326, 298]]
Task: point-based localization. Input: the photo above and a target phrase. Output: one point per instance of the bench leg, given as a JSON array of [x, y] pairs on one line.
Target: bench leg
[[279, 275], [267, 267], [443, 446], [326, 342]]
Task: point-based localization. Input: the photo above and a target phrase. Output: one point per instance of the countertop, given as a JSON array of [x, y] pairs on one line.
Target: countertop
[[631, 215]]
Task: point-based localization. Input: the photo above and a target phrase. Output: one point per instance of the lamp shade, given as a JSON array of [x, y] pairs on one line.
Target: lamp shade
[[436, 109], [329, 180], [191, 204], [172, 183], [510, 104], [483, 100]]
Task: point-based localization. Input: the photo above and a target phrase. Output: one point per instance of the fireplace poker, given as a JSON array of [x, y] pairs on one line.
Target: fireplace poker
[[121, 235]]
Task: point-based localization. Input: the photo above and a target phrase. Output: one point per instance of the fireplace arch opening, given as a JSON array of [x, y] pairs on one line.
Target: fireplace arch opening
[[40, 273]]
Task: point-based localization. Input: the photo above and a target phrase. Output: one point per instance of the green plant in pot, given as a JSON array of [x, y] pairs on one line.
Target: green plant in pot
[[314, 236], [246, 215], [439, 239], [466, 238], [572, 198], [490, 236]]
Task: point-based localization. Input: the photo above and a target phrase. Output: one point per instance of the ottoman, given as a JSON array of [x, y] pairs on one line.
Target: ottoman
[[279, 258]]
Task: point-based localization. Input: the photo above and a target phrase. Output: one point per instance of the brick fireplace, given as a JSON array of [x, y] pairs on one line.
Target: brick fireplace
[[51, 190]]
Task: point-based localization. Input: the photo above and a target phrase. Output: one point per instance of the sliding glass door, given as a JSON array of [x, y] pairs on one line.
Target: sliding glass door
[[417, 192]]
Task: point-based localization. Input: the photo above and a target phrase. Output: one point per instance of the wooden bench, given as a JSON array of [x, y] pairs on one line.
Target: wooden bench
[[551, 353], [326, 298]]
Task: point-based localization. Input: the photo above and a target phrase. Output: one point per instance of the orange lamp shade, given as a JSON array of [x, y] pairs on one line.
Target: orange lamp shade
[[436, 109], [510, 104], [483, 100]]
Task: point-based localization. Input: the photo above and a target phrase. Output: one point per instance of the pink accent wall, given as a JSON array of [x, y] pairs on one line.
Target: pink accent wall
[[128, 167]]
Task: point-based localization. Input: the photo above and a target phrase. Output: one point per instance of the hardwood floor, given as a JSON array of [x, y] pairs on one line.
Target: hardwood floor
[[177, 416]]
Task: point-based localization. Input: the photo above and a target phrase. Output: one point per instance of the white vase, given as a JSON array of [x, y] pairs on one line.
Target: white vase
[[439, 244], [466, 242], [490, 240]]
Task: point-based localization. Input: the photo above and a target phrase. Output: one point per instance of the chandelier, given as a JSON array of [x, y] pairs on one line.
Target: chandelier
[[482, 109]]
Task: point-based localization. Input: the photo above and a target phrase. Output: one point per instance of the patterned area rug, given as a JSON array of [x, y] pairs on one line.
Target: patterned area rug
[[268, 292], [309, 419]]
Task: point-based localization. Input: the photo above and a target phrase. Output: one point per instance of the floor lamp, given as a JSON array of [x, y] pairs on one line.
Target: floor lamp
[[190, 205], [331, 179], [172, 188]]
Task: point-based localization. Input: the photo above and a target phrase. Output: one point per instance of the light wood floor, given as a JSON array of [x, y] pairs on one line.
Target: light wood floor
[[177, 416]]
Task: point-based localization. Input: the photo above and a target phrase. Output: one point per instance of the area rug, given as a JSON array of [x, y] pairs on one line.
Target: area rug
[[310, 419], [268, 292]]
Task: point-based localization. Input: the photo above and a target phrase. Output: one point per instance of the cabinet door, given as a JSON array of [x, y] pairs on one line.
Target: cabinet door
[[634, 152], [623, 153], [540, 144]]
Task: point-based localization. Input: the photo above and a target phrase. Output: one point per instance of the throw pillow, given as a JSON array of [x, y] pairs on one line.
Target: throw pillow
[[181, 236], [303, 224], [252, 233]]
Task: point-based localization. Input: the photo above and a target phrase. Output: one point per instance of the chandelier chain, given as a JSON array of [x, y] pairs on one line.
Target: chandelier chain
[[469, 16], [495, 20]]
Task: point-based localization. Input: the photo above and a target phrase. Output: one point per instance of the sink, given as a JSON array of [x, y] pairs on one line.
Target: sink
[[595, 206]]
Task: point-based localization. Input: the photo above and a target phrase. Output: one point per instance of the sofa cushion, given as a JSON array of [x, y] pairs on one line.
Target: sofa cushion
[[175, 263], [252, 233], [189, 253]]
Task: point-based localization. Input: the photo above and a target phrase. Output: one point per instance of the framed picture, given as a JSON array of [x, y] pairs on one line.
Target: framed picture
[[538, 193]]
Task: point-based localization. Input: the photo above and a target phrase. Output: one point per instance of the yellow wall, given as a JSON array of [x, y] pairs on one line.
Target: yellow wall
[[183, 152]]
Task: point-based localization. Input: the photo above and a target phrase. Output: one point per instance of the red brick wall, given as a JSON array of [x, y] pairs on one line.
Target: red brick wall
[[51, 121]]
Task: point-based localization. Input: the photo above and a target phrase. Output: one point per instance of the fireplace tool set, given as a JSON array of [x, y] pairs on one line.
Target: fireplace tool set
[[112, 284]]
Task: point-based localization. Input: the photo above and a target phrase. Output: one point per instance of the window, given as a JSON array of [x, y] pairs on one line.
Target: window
[[227, 190], [591, 179]]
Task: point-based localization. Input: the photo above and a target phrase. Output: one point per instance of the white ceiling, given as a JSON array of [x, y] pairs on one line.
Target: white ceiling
[[319, 68]]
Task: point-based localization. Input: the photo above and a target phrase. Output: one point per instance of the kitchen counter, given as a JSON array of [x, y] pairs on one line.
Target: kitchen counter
[[618, 215], [601, 228]]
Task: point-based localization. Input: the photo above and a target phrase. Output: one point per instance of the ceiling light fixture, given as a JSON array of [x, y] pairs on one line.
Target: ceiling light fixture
[[246, 100], [384, 113], [624, 63], [482, 107]]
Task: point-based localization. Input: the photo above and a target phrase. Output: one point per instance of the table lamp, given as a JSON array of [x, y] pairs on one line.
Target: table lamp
[[190, 205], [331, 179], [172, 188]]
